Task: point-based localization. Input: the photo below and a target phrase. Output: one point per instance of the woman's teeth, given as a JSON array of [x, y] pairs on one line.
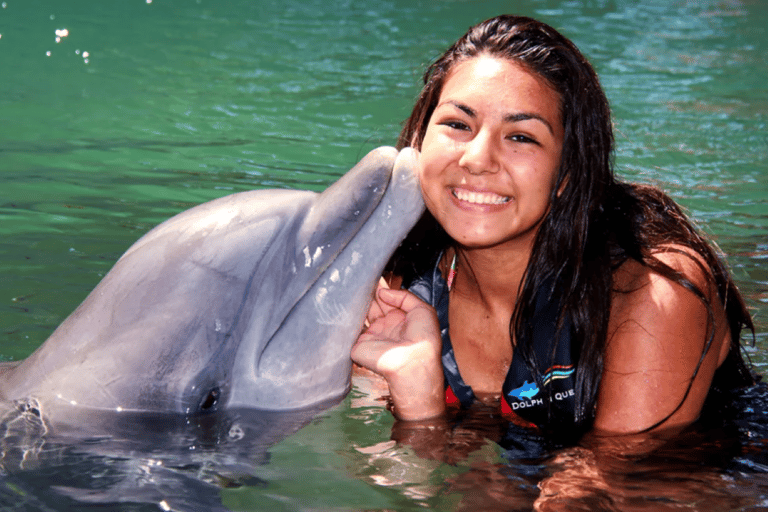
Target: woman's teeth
[[479, 197]]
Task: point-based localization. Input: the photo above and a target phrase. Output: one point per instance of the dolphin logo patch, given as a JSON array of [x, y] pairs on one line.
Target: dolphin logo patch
[[529, 389], [526, 391]]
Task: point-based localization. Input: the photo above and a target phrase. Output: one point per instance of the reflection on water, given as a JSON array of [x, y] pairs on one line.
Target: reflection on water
[[714, 465], [117, 115]]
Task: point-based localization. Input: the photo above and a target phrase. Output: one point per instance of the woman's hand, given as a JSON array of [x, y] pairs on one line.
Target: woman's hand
[[402, 344]]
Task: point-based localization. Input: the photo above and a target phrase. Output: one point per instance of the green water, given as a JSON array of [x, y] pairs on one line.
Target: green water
[[144, 109]]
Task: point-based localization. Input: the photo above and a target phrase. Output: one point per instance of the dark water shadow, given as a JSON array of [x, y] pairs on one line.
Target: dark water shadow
[[119, 461]]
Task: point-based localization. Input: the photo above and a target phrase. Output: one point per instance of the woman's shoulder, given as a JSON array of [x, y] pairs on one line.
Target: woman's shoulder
[[680, 261], [664, 342], [672, 290]]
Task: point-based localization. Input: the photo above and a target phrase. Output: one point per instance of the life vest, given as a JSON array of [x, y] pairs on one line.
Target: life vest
[[539, 400]]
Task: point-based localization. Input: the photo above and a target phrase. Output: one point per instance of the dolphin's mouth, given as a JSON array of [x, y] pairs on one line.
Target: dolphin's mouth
[[358, 222], [338, 214]]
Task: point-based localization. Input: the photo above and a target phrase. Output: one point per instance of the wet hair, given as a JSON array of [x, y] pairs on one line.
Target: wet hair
[[595, 222]]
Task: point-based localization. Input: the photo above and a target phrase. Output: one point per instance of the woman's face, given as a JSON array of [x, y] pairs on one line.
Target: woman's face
[[491, 152]]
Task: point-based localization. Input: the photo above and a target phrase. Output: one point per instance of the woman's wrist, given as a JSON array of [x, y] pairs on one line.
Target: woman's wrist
[[426, 410], [419, 397]]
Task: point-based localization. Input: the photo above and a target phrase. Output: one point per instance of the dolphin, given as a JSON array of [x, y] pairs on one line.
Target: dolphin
[[251, 301]]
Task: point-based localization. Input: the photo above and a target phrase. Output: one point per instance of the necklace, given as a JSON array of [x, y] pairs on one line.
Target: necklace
[[451, 273]]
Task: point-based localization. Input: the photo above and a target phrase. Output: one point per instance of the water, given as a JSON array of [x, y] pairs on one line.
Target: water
[[144, 109]]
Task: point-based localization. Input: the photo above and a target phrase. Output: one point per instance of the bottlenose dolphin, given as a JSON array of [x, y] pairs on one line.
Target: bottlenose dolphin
[[249, 301]]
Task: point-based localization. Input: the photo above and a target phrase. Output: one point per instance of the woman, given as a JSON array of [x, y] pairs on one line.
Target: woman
[[535, 274]]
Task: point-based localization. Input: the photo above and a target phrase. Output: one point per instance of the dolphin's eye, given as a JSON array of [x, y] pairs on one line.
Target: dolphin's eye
[[210, 399]]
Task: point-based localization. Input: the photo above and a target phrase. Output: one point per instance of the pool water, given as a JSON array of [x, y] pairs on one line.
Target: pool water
[[116, 115]]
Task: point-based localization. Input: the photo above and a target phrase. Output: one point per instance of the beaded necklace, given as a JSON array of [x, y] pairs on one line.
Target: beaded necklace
[[451, 273]]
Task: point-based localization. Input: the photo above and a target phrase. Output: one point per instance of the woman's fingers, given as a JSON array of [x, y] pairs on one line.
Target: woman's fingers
[[400, 299], [381, 346], [377, 308]]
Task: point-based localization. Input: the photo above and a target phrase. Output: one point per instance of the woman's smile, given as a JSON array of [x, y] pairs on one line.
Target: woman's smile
[[479, 198]]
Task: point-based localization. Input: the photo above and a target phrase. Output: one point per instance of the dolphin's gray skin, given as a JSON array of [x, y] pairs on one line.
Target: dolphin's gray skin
[[249, 301]]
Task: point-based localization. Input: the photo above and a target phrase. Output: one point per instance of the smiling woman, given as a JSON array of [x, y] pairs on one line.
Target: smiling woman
[[537, 280]]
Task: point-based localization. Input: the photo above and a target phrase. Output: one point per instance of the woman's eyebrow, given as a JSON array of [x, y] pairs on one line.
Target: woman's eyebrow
[[526, 116], [509, 118], [461, 106]]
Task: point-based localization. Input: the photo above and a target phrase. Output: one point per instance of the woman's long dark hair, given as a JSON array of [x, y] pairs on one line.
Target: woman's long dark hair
[[595, 222]]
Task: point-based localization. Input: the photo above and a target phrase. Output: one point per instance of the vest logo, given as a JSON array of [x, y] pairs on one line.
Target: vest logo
[[527, 390], [558, 372]]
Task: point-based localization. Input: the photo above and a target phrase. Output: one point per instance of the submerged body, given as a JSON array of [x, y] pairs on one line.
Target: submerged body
[[252, 300]]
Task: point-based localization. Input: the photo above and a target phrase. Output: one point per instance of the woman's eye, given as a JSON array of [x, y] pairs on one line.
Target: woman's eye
[[456, 125], [522, 138]]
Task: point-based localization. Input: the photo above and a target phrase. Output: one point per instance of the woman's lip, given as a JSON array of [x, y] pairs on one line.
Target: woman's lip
[[479, 198]]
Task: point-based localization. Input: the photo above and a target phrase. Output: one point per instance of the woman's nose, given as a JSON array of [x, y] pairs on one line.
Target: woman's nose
[[479, 155]]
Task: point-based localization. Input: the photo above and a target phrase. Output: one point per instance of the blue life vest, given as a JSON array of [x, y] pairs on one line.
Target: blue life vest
[[546, 399]]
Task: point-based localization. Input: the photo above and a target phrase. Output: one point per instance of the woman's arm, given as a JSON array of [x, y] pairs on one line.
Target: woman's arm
[[657, 336], [402, 344]]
